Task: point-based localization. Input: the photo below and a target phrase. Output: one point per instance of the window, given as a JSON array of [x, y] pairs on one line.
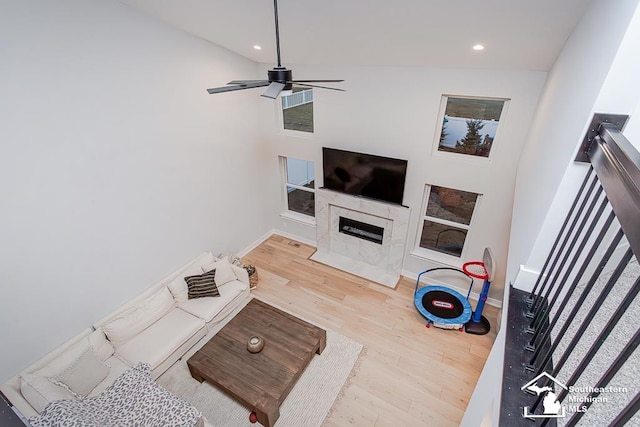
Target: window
[[299, 185], [297, 110], [469, 125], [447, 219]]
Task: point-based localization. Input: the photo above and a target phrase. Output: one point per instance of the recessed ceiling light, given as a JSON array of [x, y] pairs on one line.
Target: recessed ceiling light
[[478, 47], [256, 47]]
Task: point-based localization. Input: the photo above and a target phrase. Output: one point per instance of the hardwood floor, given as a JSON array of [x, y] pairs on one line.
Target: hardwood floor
[[408, 375]]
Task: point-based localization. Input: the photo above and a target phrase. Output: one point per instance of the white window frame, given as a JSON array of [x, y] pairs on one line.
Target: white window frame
[[288, 213], [298, 133], [467, 157], [433, 254]]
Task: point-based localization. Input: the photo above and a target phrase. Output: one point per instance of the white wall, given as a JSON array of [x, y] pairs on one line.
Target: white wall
[[566, 107], [116, 166], [619, 94], [611, 89], [394, 112]]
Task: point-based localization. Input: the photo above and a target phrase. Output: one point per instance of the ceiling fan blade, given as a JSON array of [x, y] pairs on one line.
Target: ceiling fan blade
[[246, 82], [273, 90], [279, 78], [320, 87], [237, 87], [317, 81]]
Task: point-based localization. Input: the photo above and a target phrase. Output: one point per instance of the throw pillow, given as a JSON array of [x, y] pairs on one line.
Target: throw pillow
[[177, 286], [84, 374], [39, 391], [224, 271], [203, 285]]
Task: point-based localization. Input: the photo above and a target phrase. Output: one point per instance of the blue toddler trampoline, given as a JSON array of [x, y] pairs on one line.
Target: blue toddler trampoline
[[441, 306]]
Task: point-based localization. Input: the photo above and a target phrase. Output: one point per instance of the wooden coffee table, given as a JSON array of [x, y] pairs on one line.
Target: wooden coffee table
[[260, 381]]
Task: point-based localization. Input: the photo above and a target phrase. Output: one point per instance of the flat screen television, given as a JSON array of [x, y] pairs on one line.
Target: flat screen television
[[366, 175]]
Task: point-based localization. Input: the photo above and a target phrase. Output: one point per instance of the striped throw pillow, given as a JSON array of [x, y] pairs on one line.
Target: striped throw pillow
[[203, 285]]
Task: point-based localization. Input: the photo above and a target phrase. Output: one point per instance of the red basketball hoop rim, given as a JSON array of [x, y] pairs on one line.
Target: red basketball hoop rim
[[475, 269]]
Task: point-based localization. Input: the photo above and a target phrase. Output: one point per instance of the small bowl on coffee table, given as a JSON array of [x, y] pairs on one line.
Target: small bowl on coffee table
[[255, 344]]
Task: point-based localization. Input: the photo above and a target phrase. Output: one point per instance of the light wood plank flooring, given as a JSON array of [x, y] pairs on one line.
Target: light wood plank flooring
[[408, 375]]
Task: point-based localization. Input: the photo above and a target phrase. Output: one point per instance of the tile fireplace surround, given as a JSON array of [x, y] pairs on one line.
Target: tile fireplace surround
[[361, 251]]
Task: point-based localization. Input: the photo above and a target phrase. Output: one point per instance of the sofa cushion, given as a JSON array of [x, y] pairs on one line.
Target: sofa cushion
[[84, 374], [224, 272], [178, 286], [39, 391], [202, 285], [117, 368], [96, 340], [207, 308], [160, 340], [137, 319]]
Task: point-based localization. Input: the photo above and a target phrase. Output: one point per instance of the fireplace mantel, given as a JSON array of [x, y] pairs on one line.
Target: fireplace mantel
[[378, 261]]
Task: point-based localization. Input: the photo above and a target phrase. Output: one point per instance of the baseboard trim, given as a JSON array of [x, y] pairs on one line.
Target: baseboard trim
[[255, 244], [526, 278], [270, 233], [294, 237]]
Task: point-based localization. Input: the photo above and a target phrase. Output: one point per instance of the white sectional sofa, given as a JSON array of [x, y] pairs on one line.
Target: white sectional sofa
[[158, 327]]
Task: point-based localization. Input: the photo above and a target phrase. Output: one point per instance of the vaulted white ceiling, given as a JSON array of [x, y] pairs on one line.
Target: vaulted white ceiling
[[517, 34]]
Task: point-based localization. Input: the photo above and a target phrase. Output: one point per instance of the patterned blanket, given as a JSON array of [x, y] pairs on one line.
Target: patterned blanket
[[134, 399]]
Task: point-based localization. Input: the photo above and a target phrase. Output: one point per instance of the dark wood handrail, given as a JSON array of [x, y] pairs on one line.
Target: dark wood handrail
[[617, 164], [615, 170]]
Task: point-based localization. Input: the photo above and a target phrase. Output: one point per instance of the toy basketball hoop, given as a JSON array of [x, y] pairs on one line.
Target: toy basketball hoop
[[476, 269], [483, 270]]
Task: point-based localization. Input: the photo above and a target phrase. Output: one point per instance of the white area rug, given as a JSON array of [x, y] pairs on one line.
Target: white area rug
[[307, 405]]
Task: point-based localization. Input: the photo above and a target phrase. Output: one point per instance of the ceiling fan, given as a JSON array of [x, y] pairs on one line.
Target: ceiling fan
[[278, 78]]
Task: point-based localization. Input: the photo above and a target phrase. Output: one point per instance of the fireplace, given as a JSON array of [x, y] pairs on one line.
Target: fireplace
[[361, 230], [361, 236]]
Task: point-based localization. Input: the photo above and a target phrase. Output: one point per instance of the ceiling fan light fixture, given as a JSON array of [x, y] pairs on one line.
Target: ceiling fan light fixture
[[478, 47], [279, 79], [281, 75]]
